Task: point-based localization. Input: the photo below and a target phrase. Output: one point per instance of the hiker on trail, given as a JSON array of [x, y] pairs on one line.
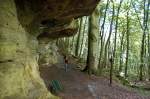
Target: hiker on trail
[[66, 62]]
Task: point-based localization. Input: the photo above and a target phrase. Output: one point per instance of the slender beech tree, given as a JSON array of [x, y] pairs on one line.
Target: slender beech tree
[[148, 57], [143, 27], [78, 39], [109, 36], [127, 48], [121, 50], [116, 30], [83, 34], [102, 34], [142, 44], [111, 58], [147, 29]]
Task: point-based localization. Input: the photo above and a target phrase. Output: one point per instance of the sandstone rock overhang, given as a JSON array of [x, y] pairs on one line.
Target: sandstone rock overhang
[[20, 26], [56, 18]]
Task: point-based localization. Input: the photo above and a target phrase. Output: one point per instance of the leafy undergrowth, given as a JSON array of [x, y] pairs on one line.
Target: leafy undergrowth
[[140, 87], [78, 85], [141, 91]]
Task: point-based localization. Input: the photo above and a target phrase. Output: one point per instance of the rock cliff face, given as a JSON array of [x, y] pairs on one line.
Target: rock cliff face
[[48, 53], [24, 23]]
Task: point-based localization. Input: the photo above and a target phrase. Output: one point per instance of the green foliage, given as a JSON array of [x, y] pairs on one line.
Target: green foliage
[[135, 17]]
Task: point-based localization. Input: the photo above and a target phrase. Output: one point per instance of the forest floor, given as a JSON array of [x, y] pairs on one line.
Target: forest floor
[[78, 85]]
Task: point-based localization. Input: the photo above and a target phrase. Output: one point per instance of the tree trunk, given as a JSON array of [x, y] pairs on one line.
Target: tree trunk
[[19, 73], [78, 39], [72, 45], [148, 40], [109, 36], [102, 35], [127, 50], [92, 58], [116, 29], [121, 51], [82, 41], [148, 57], [143, 44], [142, 58], [111, 58]]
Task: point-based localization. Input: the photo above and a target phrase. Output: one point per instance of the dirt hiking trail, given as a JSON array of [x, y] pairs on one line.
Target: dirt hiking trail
[[78, 85]]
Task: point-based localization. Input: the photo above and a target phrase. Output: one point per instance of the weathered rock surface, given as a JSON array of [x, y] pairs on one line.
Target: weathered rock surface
[[22, 24], [48, 52]]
